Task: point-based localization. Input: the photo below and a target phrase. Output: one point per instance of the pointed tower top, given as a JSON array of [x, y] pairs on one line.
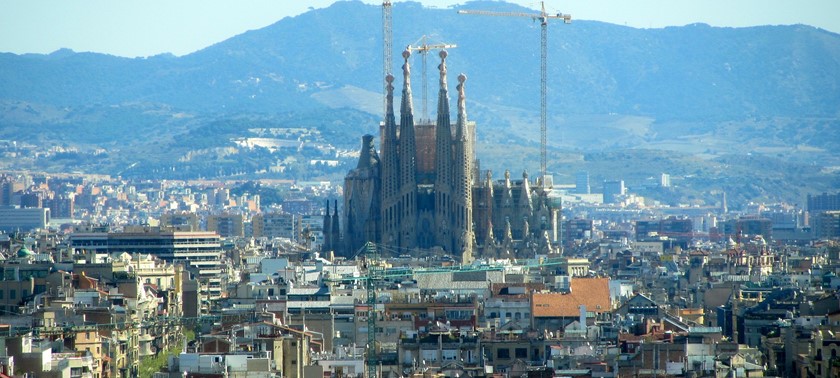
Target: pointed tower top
[[389, 95], [406, 108], [367, 155], [462, 97], [443, 100], [442, 68], [406, 67], [461, 133]]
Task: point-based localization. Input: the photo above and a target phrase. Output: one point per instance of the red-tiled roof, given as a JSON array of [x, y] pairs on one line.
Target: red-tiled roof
[[594, 293]]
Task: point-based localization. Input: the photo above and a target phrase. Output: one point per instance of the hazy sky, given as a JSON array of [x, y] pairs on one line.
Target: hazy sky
[[148, 27]]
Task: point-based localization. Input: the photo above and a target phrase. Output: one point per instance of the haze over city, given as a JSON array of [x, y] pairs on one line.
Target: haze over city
[[145, 28], [211, 189]]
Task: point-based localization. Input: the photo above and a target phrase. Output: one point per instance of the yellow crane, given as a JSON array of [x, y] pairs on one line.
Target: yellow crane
[[543, 18], [424, 47]]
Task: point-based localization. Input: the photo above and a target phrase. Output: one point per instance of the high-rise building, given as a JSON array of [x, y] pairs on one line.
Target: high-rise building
[[680, 230], [276, 225], [748, 226], [226, 225], [423, 192], [182, 221], [7, 190], [61, 206], [613, 189], [827, 225], [32, 199], [665, 180], [823, 202], [582, 183], [17, 219], [200, 252]]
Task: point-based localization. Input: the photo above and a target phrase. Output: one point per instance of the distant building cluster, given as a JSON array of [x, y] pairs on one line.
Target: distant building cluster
[[420, 265]]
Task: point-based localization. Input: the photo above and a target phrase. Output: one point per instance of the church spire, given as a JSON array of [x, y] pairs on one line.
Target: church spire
[[443, 96], [463, 169], [389, 169], [462, 109], [443, 129], [407, 170], [327, 246], [390, 119], [407, 144], [335, 238], [367, 155], [406, 106], [444, 169]]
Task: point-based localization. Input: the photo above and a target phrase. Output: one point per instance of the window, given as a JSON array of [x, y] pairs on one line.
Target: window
[[503, 353], [12, 294], [521, 352]]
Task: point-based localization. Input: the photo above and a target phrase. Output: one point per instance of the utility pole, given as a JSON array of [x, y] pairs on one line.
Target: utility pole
[[543, 18]]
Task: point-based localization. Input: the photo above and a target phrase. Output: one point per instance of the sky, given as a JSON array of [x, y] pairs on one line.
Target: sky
[[133, 28]]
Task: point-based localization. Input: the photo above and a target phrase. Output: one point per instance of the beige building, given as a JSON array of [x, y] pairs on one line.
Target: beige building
[[181, 221], [226, 225]]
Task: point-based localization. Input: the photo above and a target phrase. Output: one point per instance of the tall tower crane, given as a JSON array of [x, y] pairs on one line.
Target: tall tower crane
[[424, 47], [543, 18], [374, 271], [387, 46]]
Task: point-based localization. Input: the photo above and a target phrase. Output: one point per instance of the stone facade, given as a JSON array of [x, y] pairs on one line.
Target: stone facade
[[423, 192]]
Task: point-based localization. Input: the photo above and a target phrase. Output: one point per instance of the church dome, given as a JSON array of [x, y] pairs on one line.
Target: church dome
[[24, 252]]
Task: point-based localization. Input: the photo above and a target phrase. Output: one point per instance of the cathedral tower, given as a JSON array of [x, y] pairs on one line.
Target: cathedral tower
[[422, 193], [463, 177], [444, 216], [406, 220]]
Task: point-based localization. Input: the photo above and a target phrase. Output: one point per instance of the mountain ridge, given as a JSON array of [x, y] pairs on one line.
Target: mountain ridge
[[593, 67]]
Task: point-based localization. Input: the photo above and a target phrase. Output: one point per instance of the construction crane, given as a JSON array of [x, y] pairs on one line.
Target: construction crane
[[424, 47], [543, 18], [373, 273], [387, 46]]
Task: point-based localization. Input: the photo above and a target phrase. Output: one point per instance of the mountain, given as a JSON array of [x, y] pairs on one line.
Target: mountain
[[698, 90], [693, 72]]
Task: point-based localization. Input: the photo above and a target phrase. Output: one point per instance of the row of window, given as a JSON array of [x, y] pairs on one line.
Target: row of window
[[504, 353], [13, 294], [515, 315]]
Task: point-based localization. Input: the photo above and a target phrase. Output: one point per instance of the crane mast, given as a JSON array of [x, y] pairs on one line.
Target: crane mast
[[543, 18], [423, 47], [387, 46], [373, 273]]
